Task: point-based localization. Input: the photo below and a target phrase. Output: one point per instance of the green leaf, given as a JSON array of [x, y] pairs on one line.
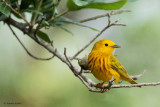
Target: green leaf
[[44, 36], [96, 4], [66, 30], [32, 11], [62, 21], [26, 4], [2, 17], [4, 9], [48, 9], [45, 23]]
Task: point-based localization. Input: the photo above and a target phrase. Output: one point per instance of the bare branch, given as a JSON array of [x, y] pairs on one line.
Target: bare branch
[[136, 85], [109, 19], [39, 25], [104, 15], [107, 86], [92, 40], [136, 77], [26, 48], [63, 13], [86, 71], [68, 59], [117, 24], [35, 15], [77, 58], [111, 83], [115, 12]]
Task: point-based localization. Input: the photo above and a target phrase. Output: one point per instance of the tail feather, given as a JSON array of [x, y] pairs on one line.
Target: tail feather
[[132, 81], [129, 79]]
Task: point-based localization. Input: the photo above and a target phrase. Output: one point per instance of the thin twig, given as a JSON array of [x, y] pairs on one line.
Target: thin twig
[[26, 48], [39, 25], [136, 85], [92, 40], [109, 19], [76, 73], [68, 58], [63, 13], [136, 77], [104, 15], [35, 15], [77, 58], [19, 14], [86, 71], [117, 24], [111, 83]]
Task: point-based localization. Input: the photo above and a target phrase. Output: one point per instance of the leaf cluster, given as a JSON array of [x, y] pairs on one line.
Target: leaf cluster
[[48, 9]]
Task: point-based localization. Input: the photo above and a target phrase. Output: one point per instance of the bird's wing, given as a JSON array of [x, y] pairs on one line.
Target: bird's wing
[[116, 65]]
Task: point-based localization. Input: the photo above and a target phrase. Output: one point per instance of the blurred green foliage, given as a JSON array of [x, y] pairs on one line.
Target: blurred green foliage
[[46, 12], [51, 84], [96, 4]]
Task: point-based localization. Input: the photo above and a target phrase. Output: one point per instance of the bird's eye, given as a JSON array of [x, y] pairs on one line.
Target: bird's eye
[[106, 44]]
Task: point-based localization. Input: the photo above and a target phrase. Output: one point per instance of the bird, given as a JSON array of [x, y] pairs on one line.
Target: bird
[[104, 65]]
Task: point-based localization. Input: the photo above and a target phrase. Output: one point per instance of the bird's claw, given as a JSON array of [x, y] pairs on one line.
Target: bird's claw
[[103, 88]]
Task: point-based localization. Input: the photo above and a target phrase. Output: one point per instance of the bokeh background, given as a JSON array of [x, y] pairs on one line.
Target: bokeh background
[[51, 84]]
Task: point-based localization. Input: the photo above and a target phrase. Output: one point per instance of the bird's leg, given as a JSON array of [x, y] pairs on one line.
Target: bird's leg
[[99, 84], [111, 82], [103, 89], [102, 85]]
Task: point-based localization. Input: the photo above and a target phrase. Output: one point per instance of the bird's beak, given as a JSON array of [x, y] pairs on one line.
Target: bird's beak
[[115, 46]]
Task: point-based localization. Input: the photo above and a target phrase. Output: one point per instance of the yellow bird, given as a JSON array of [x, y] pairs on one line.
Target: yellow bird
[[104, 65]]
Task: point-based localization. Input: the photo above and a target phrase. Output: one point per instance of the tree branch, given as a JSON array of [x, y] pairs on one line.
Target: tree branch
[[136, 77], [71, 66], [136, 85], [86, 71], [63, 13], [115, 12], [39, 25], [26, 48], [36, 15]]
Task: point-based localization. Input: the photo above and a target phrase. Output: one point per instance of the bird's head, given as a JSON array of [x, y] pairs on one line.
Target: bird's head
[[105, 45]]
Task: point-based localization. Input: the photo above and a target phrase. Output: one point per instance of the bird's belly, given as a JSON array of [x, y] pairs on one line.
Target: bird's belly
[[106, 75], [102, 71]]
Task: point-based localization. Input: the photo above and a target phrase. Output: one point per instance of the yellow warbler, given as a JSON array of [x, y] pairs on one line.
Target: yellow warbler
[[104, 65]]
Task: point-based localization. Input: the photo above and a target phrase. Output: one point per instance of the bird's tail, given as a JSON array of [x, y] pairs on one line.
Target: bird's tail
[[129, 79], [132, 81]]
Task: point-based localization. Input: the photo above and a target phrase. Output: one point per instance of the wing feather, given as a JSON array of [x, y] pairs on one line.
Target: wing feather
[[116, 65]]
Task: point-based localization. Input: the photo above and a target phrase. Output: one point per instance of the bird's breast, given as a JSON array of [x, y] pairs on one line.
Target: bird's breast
[[99, 65]]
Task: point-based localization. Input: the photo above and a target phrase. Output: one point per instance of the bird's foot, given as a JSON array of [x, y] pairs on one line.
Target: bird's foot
[[99, 84], [102, 87]]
